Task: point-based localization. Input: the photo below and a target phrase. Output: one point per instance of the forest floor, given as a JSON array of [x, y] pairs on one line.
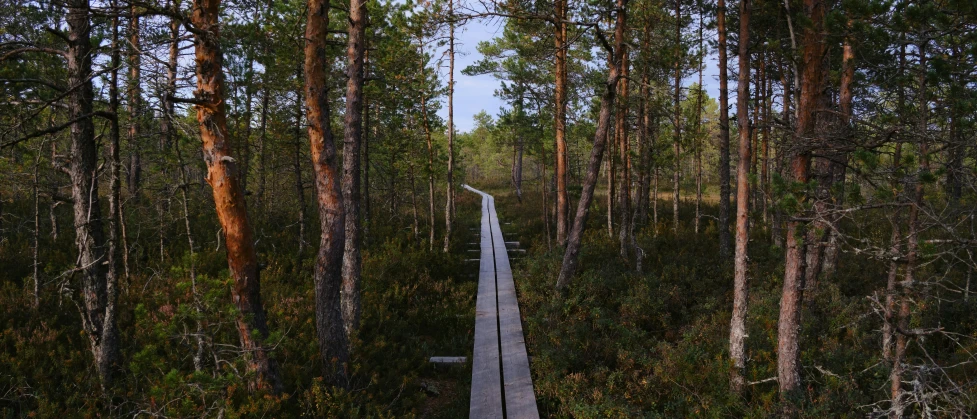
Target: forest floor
[[617, 344], [416, 304], [625, 344]]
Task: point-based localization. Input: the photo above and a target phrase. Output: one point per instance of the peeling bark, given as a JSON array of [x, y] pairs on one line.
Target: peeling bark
[[222, 176]]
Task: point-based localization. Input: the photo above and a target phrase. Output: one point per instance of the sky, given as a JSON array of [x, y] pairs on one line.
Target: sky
[[474, 94]]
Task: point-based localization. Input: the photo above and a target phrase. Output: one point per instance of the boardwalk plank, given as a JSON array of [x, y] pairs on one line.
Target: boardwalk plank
[[499, 359], [486, 395], [520, 401]]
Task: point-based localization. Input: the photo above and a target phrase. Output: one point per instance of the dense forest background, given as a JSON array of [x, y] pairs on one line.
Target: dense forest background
[[253, 208]]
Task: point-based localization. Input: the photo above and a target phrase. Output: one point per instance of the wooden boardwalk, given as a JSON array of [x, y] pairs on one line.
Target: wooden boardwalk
[[501, 384]]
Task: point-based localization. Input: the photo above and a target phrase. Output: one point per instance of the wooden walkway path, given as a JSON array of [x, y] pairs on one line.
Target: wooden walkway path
[[501, 384]]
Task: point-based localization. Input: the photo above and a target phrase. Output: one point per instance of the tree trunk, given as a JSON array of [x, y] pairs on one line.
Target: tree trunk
[[542, 190], [698, 126], [833, 244], [737, 330], [560, 75], [611, 185], [449, 206], [570, 258], [135, 103], [678, 116], [166, 122], [624, 157], [827, 171], [654, 202], [517, 165], [957, 146], [413, 192], [351, 165], [244, 145], [812, 99], [912, 242], [222, 176], [644, 148], [198, 356], [110, 339], [98, 304], [764, 188], [367, 129], [895, 247], [262, 140], [328, 273], [297, 167], [36, 235], [891, 290], [724, 237], [776, 232], [430, 172]]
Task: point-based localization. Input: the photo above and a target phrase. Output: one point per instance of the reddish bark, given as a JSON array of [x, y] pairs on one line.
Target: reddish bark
[[222, 176], [737, 331], [449, 206], [560, 74], [812, 100]]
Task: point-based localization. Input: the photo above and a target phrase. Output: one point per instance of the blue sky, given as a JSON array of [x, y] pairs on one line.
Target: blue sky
[[474, 94]]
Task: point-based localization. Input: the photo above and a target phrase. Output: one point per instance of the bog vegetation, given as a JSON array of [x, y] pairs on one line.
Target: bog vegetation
[[254, 208]]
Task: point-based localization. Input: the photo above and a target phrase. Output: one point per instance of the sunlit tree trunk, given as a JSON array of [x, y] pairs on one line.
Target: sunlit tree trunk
[[570, 257], [430, 171], [737, 330], [812, 100], [168, 132], [449, 206], [698, 126], [222, 176], [560, 103]]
